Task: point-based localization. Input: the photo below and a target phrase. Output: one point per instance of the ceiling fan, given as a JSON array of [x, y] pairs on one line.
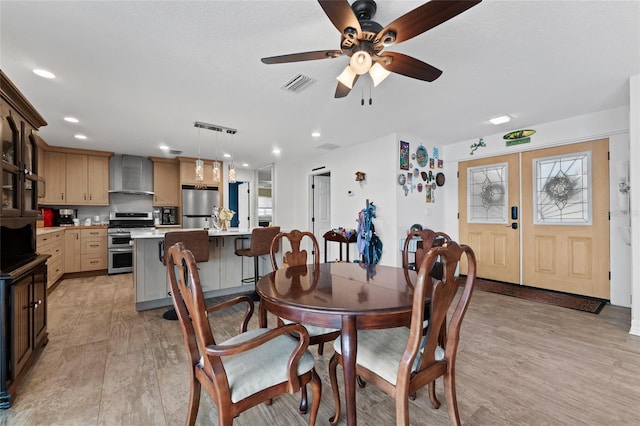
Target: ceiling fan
[[364, 40]]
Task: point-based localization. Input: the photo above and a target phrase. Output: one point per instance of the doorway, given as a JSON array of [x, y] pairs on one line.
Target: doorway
[[540, 218], [320, 206]]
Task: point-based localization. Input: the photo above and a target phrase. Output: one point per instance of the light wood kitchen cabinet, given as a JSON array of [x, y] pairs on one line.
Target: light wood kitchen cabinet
[[76, 178], [166, 182], [93, 249], [98, 180], [72, 250], [188, 172], [53, 244], [55, 166]]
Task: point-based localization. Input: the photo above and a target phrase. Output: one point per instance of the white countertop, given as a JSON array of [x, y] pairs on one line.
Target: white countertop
[[159, 233]]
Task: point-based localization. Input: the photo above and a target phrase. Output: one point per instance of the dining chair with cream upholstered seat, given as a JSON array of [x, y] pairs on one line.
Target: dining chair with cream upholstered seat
[[402, 360], [298, 257], [250, 368]]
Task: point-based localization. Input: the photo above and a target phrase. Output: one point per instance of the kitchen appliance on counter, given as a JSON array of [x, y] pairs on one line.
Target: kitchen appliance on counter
[[197, 205], [169, 215], [64, 217], [119, 234]]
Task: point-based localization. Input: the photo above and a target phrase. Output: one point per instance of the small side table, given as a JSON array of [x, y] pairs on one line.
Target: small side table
[[338, 237]]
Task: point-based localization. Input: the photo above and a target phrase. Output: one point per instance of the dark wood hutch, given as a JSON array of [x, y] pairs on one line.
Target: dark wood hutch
[[23, 273]]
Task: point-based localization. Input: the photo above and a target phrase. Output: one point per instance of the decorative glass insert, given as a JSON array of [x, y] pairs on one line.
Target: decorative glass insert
[[487, 194], [562, 190]]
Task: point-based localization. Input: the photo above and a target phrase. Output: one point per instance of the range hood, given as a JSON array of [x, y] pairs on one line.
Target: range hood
[[130, 174]]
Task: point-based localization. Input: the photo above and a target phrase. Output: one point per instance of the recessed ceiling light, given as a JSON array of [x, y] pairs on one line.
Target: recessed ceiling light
[[79, 136], [164, 147], [245, 164], [316, 134], [44, 73], [71, 119], [500, 119], [276, 151], [226, 155]]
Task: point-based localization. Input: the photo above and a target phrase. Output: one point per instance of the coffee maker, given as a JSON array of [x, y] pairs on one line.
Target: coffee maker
[[64, 217], [169, 215]]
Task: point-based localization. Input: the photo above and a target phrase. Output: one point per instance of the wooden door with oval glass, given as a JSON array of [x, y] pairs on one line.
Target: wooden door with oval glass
[[560, 236]]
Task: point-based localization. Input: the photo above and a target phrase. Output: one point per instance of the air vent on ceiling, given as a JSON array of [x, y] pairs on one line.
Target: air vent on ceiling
[[298, 83], [175, 152], [328, 146]]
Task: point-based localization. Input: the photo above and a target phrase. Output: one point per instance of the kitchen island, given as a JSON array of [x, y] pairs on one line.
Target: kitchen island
[[221, 275]]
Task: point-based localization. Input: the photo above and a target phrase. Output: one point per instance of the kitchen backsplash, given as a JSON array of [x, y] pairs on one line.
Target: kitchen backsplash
[[118, 203]]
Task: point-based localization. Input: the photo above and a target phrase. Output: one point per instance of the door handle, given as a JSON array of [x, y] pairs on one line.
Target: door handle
[[514, 225]]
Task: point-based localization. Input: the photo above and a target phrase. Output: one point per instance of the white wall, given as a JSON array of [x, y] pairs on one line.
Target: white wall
[[373, 157], [634, 156], [612, 124]]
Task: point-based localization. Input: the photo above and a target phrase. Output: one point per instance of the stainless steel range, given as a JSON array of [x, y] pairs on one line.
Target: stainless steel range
[[120, 250]]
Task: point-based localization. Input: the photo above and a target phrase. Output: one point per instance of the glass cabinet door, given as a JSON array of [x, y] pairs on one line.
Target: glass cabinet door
[[10, 140], [30, 203], [10, 171]]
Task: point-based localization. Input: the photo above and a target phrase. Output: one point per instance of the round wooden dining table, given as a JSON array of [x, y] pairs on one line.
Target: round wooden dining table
[[346, 296]]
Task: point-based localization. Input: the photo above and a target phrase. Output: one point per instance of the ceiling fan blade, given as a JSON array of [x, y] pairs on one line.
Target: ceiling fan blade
[[305, 56], [425, 17], [341, 15], [342, 90], [409, 66]]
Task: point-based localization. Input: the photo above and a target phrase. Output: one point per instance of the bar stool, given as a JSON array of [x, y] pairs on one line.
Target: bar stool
[[195, 241], [260, 245]]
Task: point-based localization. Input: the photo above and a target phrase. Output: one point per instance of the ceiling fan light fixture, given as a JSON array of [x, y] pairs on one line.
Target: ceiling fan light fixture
[[360, 62], [378, 74], [347, 77]]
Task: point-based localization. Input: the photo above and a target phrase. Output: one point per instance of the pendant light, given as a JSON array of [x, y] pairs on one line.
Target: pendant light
[[232, 167], [199, 169], [216, 164]]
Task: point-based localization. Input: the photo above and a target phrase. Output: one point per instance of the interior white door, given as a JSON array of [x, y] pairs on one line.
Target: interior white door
[[321, 189], [244, 212]]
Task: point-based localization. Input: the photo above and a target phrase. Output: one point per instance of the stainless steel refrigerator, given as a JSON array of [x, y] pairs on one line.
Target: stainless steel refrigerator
[[197, 205]]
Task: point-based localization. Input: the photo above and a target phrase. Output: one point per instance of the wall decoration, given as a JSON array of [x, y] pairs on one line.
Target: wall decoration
[[440, 163], [422, 156], [440, 179], [518, 137], [420, 187], [475, 146], [402, 179], [436, 153], [432, 163], [360, 176], [404, 155], [424, 175], [428, 194]]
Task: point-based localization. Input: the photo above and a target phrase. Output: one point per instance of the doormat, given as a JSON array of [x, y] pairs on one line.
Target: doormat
[[573, 301]]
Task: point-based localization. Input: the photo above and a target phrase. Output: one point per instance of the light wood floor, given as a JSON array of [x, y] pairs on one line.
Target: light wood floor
[[519, 363]]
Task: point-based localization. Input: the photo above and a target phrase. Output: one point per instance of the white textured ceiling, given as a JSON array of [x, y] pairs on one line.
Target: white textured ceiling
[[138, 74]]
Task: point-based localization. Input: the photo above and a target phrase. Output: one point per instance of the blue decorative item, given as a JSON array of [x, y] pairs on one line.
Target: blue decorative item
[[477, 145]]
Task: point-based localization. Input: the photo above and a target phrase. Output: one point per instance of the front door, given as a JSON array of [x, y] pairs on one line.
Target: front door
[[566, 206], [489, 199], [562, 229]]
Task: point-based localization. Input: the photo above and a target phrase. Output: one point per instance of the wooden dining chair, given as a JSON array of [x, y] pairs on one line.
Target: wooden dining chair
[[253, 367], [402, 360], [298, 257], [426, 239]]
